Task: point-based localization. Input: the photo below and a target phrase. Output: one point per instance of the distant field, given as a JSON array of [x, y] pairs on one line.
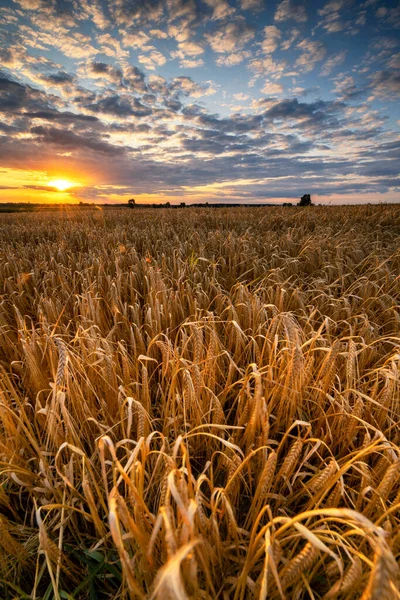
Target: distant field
[[200, 404]]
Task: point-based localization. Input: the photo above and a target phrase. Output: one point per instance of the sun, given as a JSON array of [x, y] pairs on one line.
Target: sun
[[61, 184]]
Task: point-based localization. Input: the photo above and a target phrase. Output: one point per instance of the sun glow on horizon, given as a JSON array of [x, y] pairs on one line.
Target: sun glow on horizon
[[62, 185]]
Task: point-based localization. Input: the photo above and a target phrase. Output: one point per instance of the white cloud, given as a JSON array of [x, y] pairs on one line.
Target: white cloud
[[233, 59], [186, 52], [221, 9], [331, 18], [180, 32], [191, 63], [152, 60], [241, 96], [190, 48], [271, 39], [157, 33], [230, 36], [137, 40], [181, 9], [110, 46], [268, 66], [272, 88]]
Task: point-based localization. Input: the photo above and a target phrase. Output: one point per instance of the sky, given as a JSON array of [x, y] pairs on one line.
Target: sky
[[250, 101]]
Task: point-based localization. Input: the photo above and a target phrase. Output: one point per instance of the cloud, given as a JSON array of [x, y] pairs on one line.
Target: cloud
[[253, 5], [230, 60], [191, 50], [110, 46], [186, 86], [134, 79], [347, 90], [332, 17], [59, 79], [333, 62], [268, 66], [385, 84], [93, 10], [157, 33], [68, 139], [303, 92], [288, 10], [119, 105], [241, 96], [389, 16], [221, 9], [30, 4], [230, 36], [73, 44], [293, 34], [313, 51], [315, 116], [180, 32], [191, 63], [152, 60], [139, 39], [271, 88], [141, 12], [182, 9], [272, 35], [101, 70], [15, 97], [64, 117]]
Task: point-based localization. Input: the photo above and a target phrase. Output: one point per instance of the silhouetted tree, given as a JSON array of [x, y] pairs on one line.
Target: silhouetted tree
[[131, 203], [183, 204], [305, 200], [168, 204]]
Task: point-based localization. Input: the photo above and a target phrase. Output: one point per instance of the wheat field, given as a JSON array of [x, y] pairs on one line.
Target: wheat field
[[200, 403]]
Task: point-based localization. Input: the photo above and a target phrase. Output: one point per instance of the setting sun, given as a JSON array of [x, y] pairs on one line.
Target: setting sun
[[62, 184]]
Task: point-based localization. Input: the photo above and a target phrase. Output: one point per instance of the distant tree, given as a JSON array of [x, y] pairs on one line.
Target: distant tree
[[131, 203], [287, 204], [305, 200], [183, 204], [168, 204]]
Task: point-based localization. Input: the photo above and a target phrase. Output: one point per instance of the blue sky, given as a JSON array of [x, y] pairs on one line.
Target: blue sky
[[200, 100]]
